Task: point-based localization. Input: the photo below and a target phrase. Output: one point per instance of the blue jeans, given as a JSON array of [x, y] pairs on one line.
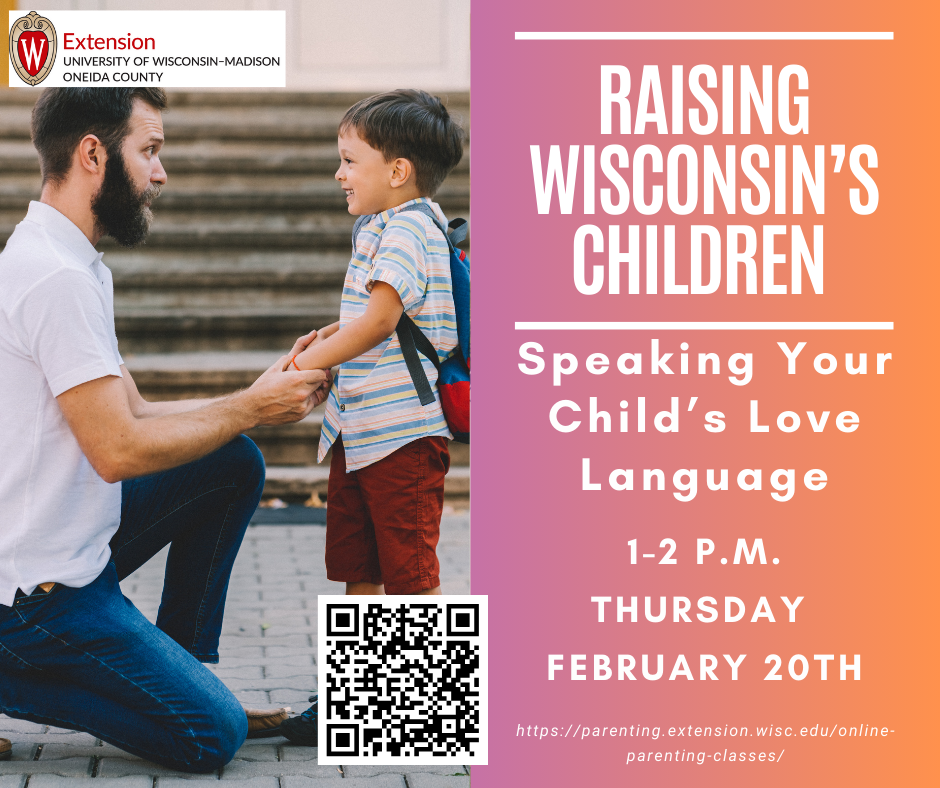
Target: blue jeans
[[87, 659]]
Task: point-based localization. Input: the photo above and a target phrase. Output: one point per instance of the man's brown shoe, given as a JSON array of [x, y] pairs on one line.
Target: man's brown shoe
[[263, 723], [6, 749]]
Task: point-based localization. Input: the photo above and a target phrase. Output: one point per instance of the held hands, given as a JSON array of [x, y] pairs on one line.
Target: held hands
[[302, 343], [281, 397]]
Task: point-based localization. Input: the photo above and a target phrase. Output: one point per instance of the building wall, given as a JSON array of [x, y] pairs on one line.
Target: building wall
[[5, 7], [335, 45]]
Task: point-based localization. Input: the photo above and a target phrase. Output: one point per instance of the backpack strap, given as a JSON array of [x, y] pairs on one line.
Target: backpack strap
[[458, 231], [413, 340]]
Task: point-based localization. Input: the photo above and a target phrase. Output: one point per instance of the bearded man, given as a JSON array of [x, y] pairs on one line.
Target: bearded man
[[96, 480]]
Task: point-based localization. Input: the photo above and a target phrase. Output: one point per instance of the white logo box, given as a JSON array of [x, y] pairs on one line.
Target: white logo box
[[167, 49]]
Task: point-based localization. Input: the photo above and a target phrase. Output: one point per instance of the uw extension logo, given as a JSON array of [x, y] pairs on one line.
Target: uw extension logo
[[32, 48]]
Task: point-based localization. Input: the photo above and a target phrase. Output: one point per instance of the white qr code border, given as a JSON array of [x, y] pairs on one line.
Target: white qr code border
[[342, 741]]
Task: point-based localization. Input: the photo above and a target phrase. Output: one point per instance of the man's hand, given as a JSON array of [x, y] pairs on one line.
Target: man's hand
[[323, 392], [282, 397]]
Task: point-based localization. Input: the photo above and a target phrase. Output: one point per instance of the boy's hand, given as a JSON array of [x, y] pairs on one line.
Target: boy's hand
[[302, 343]]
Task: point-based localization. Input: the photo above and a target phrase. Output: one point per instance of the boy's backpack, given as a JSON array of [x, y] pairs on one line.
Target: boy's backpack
[[453, 374]]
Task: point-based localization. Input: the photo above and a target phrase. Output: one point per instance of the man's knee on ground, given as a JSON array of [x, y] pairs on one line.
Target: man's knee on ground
[[213, 749]]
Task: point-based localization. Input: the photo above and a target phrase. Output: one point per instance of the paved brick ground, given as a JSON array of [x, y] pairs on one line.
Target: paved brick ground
[[268, 658]]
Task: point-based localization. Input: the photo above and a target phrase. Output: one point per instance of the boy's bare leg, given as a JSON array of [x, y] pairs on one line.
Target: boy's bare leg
[[361, 589]]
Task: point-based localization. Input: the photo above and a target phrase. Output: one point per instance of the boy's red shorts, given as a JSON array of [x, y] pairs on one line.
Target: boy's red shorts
[[383, 521]]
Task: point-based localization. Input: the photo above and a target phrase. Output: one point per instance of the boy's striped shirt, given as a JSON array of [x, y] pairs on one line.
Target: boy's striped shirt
[[373, 401]]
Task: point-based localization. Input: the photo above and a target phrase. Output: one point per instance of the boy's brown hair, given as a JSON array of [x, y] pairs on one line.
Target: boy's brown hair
[[413, 125]]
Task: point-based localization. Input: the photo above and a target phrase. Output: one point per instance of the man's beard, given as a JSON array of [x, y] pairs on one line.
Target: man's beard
[[119, 210]]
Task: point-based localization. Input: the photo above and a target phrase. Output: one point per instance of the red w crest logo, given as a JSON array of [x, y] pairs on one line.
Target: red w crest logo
[[32, 50]]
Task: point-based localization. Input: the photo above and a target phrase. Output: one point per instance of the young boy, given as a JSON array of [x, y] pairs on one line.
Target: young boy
[[390, 453]]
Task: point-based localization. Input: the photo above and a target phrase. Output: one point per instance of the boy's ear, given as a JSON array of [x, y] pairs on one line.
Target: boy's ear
[[403, 173]]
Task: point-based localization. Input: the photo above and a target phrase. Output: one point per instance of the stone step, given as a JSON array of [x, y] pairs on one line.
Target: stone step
[[196, 117], [297, 483], [180, 330], [244, 191], [219, 319], [214, 157], [170, 376], [180, 269], [252, 302]]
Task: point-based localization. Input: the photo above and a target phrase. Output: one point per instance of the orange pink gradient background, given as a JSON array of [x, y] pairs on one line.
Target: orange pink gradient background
[[861, 552]]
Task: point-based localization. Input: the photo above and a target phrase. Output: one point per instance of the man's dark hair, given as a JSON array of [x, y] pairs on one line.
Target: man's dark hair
[[413, 125], [63, 116]]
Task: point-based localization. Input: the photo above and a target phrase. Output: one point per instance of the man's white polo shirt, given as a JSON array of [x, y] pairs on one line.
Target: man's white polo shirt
[[57, 514]]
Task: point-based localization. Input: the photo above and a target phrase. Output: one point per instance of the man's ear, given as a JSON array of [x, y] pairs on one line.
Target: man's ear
[[403, 173], [91, 155]]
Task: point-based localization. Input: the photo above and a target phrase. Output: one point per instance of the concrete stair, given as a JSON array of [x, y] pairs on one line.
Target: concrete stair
[[248, 251]]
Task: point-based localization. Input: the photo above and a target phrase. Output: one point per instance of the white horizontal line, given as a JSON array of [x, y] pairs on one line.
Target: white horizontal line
[[704, 326], [702, 36]]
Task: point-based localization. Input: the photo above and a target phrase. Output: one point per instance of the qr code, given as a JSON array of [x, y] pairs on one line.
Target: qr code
[[402, 679]]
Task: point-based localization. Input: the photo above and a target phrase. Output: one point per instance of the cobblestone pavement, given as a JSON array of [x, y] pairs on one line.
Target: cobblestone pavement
[[268, 658]]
